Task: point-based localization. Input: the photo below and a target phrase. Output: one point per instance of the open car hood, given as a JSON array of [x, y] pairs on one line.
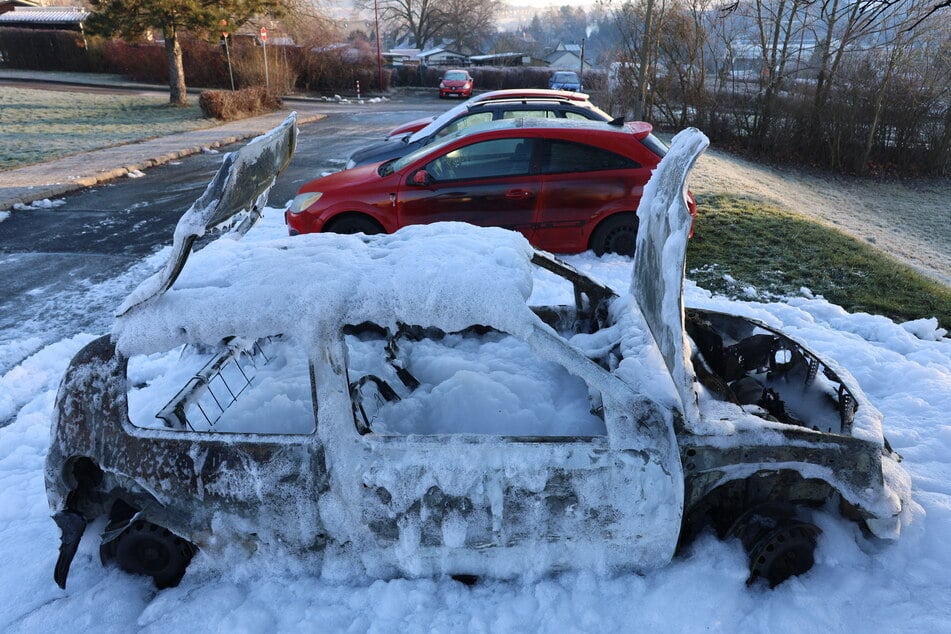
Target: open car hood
[[657, 280], [235, 197]]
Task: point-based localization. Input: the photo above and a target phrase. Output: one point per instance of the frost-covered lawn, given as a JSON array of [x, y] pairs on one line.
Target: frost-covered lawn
[[856, 585], [41, 125]]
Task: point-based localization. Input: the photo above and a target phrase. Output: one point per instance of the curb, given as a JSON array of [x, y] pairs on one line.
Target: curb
[[25, 185]]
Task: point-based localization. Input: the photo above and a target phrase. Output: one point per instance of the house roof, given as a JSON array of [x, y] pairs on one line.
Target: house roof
[[492, 56], [45, 16], [566, 60], [440, 50]]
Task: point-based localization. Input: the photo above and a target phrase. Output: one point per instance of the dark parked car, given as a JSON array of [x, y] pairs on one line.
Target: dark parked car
[[565, 80], [396, 404], [455, 83], [566, 185], [543, 105]]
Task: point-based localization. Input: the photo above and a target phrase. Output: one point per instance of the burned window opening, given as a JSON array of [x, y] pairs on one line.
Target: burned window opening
[[475, 381], [269, 372], [215, 373], [591, 299]]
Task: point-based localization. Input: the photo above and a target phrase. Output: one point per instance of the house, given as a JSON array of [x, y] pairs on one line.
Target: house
[[745, 61], [567, 56], [442, 56], [503, 59], [402, 56]]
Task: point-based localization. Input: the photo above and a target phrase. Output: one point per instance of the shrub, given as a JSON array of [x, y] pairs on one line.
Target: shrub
[[247, 62], [145, 62], [337, 70], [44, 50], [247, 102]]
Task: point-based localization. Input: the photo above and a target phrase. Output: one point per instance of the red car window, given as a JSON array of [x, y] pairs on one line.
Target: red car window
[[560, 157], [488, 159]]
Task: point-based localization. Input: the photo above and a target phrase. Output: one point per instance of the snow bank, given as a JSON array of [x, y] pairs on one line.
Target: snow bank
[[856, 584]]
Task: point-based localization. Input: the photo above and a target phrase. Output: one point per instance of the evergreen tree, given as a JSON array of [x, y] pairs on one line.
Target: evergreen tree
[[133, 18]]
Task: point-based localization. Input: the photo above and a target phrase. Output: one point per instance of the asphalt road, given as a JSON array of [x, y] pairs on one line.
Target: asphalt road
[[67, 268]]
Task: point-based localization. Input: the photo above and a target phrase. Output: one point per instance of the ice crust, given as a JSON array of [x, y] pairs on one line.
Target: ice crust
[[450, 276]]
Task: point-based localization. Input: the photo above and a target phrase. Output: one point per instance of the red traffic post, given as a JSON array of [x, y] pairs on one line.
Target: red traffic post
[[267, 82]]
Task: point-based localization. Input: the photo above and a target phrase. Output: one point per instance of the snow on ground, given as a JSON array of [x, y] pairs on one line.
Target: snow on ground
[[856, 584]]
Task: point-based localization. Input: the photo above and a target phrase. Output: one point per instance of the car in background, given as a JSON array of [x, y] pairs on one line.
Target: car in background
[[455, 83], [565, 80], [567, 187], [540, 104]]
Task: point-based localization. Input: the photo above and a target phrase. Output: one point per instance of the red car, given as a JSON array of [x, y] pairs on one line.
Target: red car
[[510, 93], [567, 186], [455, 83]]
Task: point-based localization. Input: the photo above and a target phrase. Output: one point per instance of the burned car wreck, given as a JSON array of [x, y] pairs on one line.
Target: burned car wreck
[[397, 402]]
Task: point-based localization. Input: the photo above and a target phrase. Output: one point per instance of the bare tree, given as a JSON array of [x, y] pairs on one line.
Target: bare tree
[[681, 65], [850, 83], [637, 26], [425, 20], [777, 25], [470, 23]]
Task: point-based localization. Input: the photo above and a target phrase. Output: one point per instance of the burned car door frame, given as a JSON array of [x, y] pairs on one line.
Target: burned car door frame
[[608, 502]]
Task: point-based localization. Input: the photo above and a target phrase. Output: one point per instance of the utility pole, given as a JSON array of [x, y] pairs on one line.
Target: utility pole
[[379, 55], [581, 70]]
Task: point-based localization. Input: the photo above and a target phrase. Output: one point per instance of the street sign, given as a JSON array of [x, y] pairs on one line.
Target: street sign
[[263, 34]]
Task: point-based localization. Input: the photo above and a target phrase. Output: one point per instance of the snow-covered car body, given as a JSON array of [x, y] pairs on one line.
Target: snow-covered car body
[[434, 422]]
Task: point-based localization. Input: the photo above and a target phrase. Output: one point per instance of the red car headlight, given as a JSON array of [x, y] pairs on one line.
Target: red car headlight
[[301, 202]]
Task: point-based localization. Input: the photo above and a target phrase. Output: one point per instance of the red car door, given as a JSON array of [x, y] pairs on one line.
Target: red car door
[[580, 185], [487, 183]]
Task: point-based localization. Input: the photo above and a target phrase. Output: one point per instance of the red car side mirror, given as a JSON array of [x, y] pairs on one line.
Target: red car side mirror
[[421, 178]]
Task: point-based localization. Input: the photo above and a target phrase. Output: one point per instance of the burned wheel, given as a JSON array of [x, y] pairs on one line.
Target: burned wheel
[[784, 552], [779, 544], [148, 549], [616, 234]]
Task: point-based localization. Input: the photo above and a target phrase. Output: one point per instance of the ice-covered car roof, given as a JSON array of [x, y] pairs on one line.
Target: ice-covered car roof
[[450, 276]]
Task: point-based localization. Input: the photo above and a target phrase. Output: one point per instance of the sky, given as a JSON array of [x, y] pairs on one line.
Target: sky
[[857, 583]]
